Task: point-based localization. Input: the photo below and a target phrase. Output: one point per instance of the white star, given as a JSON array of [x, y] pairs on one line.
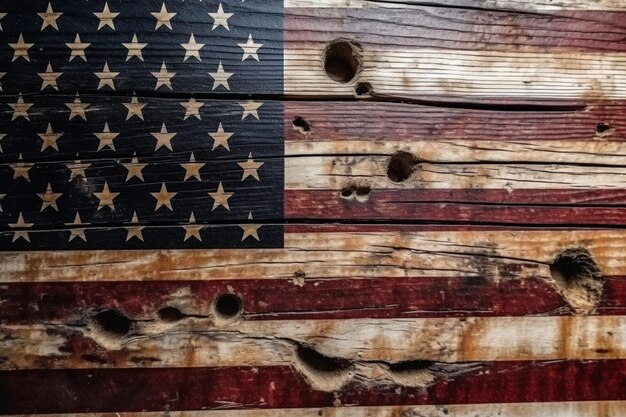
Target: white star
[[220, 18], [49, 78], [77, 232], [77, 108], [106, 77], [220, 198], [2, 136], [106, 198], [2, 198], [135, 108], [134, 48], [2, 15], [163, 18], [164, 78], [134, 231], [220, 137], [20, 109], [20, 224], [134, 169], [250, 230], [250, 168], [49, 199], [164, 138], [250, 108], [49, 18], [78, 48], [21, 49], [192, 49], [164, 198], [192, 229], [192, 108], [21, 169], [192, 168], [106, 138], [106, 17], [220, 77], [250, 49], [2, 74], [49, 139]]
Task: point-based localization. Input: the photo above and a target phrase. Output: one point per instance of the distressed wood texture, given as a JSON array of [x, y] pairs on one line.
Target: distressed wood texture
[[387, 209]]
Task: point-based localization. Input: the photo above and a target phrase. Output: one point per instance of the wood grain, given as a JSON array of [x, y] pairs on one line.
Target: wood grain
[[336, 251], [74, 391], [197, 342], [299, 298]]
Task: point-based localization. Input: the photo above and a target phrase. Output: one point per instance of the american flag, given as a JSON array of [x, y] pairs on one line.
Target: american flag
[[338, 208]]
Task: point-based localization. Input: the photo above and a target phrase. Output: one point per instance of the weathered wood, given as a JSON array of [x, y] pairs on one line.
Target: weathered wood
[[196, 342], [439, 233], [566, 165], [218, 388], [337, 251], [299, 298]]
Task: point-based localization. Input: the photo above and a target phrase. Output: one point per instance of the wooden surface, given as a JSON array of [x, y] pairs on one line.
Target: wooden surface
[[441, 234]]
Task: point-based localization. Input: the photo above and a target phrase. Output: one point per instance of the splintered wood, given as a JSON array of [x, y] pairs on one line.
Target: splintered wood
[[334, 208]]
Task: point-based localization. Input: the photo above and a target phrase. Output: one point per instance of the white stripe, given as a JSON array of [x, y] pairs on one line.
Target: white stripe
[[456, 73], [514, 149], [198, 342], [333, 255], [339, 168]]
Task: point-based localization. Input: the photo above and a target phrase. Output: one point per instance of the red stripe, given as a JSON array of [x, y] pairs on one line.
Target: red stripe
[[372, 121], [162, 389], [463, 205], [449, 28], [27, 303]]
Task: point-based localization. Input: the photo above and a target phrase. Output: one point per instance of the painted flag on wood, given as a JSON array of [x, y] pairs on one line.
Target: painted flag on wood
[[336, 208]]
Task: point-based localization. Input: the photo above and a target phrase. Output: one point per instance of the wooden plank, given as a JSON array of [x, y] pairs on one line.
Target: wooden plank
[[431, 222], [300, 298], [79, 390], [200, 342], [336, 251]]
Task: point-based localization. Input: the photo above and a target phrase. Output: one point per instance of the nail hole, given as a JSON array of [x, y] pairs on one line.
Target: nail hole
[[228, 306], [113, 322], [401, 166], [346, 192], [578, 279], [342, 61], [603, 129], [360, 193], [363, 89], [301, 125], [363, 191], [170, 314]]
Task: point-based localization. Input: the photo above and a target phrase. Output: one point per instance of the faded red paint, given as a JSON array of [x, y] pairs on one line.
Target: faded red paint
[[497, 206], [28, 303], [158, 389]]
